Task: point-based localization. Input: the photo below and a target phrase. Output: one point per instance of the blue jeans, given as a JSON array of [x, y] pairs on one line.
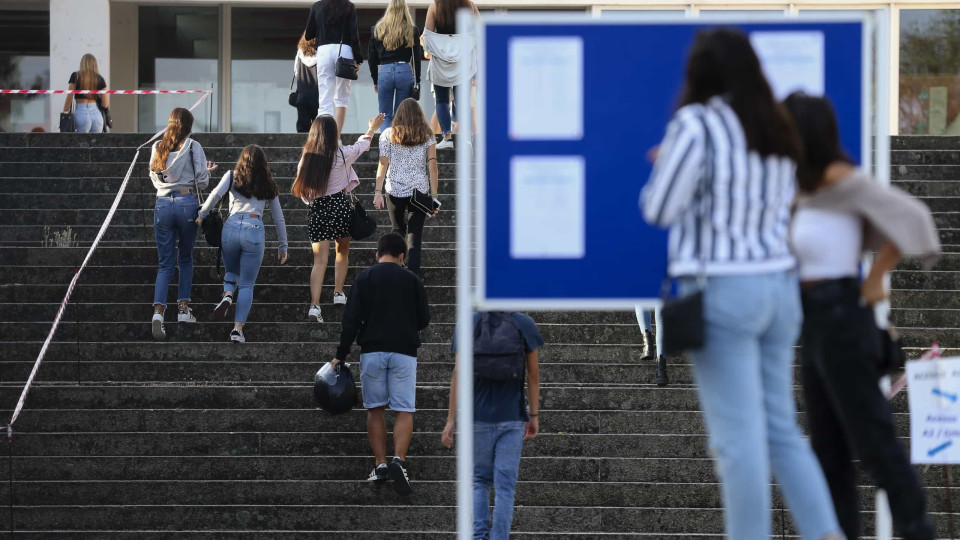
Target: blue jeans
[[88, 118], [744, 377], [243, 243], [496, 461], [394, 84], [442, 96], [174, 218], [643, 319]]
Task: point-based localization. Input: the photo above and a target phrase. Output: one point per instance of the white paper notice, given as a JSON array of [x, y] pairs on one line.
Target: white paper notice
[[933, 388], [792, 61], [546, 88], [547, 207]]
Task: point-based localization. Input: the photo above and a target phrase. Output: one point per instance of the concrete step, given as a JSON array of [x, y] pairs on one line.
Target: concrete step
[[205, 395], [299, 372], [227, 154], [135, 199], [924, 157], [277, 312], [360, 253], [296, 232], [924, 142], [78, 187], [8, 169]]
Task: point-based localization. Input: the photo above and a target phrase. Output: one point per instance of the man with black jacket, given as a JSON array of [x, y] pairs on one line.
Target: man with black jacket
[[386, 311]]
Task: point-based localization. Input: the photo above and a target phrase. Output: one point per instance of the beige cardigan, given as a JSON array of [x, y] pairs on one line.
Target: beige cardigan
[[888, 214]]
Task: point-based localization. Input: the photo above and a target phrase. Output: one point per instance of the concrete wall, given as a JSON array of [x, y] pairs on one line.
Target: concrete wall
[[123, 60], [77, 28]]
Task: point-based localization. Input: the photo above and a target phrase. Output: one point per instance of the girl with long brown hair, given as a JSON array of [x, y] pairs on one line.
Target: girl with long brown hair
[[305, 75], [87, 116], [251, 187], [178, 169], [408, 152], [324, 175]]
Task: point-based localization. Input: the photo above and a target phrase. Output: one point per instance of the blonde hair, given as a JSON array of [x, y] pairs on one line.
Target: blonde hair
[[395, 28], [88, 75]]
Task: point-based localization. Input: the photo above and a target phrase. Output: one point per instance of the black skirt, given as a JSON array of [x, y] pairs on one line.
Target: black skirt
[[329, 218]]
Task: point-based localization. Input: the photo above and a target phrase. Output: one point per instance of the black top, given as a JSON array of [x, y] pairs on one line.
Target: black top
[[378, 54], [386, 311], [327, 34], [101, 84], [306, 77]]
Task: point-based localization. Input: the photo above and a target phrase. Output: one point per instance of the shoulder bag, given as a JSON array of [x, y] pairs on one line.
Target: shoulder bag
[[415, 89], [684, 328], [361, 225], [68, 122], [346, 67], [423, 202]]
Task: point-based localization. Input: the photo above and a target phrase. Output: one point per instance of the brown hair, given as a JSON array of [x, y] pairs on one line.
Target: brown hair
[[178, 128], [89, 74], [819, 138], [252, 177], [316, 162], [307, 46], [446, 16], [410, 126]]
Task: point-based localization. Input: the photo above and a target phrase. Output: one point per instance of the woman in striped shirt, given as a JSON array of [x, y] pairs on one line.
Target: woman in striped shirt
[[723, 183]]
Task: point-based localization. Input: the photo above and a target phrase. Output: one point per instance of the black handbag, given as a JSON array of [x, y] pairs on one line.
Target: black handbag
[[68, 123], [892, 357], [684, 327], [361, 224], [423, 203], [292, 98], [415, 89], [213, 224], [346, 67]]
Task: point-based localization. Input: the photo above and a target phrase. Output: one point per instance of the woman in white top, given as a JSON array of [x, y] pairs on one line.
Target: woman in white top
[[441, 42], [841, 214], [723, 184], [251, 187], [408, 152]]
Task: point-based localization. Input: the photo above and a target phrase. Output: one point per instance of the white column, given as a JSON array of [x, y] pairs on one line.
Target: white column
[[76, 28]]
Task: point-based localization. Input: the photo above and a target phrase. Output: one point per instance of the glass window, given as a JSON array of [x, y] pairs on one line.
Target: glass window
[[25, 64], [740, 13], [645, 13], [263, 48], [929, 72], [179, 50]]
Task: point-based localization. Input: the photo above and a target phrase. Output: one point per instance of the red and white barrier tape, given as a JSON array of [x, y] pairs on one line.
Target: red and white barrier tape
[[76, 276], [130, 92], [901, 383]]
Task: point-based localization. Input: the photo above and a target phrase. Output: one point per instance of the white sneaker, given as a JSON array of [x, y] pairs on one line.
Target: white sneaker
[[159, 331], [444, 144], [339, 298], [314, 314], [186, 316], [236, 336]]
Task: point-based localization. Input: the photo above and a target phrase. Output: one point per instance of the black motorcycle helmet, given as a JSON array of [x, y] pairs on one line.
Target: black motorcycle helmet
[[339, 397]]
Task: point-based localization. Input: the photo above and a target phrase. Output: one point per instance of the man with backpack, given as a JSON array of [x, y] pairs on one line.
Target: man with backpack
[[505, 350], [386, 311]]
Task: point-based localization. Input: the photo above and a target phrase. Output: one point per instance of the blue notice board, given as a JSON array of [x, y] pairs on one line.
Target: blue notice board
[[632, 76]]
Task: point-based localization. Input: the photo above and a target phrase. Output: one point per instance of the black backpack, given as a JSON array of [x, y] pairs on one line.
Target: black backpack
[[498, 352]]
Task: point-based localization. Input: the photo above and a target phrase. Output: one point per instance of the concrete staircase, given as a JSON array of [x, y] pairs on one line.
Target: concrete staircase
[[197, 438]]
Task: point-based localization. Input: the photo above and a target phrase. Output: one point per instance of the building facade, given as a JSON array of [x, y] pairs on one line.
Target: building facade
[[244, 49]]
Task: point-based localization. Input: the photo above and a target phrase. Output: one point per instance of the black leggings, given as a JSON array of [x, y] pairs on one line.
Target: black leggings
[[849, 416], [408, 222]]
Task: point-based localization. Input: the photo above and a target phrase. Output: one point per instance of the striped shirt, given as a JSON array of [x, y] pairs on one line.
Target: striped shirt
[[725, 205]]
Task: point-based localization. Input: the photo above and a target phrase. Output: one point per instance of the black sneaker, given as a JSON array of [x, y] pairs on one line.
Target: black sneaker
[[220, 311], [378, 475], [662, 378], [398, 473]]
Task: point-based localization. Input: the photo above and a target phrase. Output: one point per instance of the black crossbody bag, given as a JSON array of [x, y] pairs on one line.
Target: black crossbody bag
[[415, 89], [346, 67], [684, 327]]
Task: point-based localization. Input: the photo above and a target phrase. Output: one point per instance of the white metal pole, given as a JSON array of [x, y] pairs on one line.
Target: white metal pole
[[465, 27]]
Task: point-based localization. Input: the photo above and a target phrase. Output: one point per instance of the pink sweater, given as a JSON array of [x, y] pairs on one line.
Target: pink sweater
[[342, 176]]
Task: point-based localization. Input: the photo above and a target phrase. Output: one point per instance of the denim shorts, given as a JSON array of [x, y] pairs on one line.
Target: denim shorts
[[389, 379]]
